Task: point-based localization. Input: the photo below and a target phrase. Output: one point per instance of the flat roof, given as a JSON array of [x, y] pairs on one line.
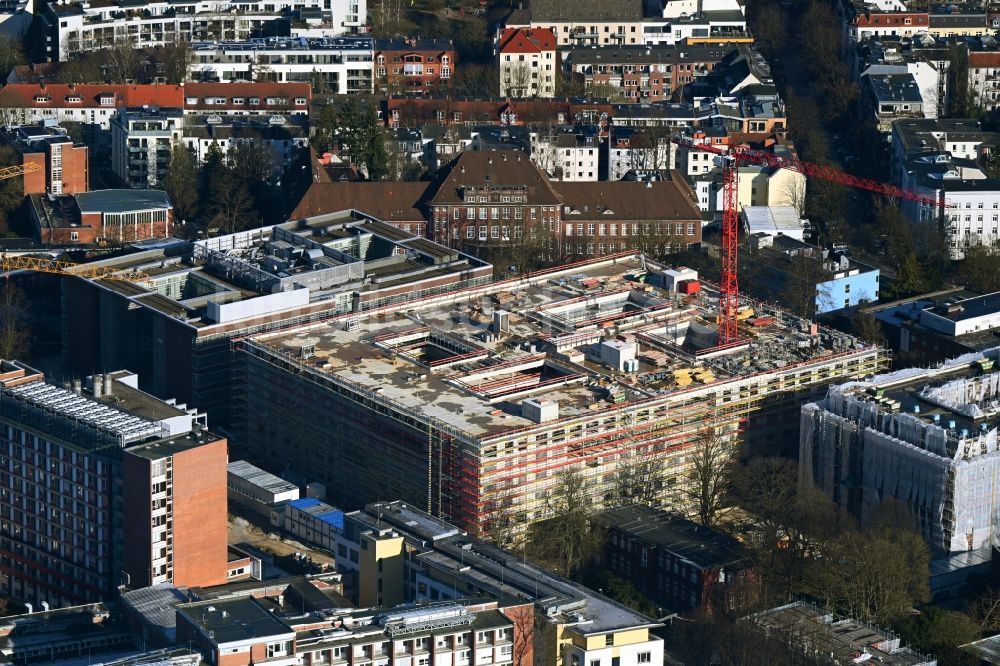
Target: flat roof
[[841, 638], [700, 545], [259, 477], [231, 620], [121, 201], [444, 363]]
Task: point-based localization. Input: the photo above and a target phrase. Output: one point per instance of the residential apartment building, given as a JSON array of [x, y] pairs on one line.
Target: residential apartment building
[[678, 564], [584, 23], [391, 549], [416, 112], [241, 98], [409, 65], [866, 22], [641, 73], [141, 142], [984, 78], [134, 496], [592, 23], [333, 65], [63, 166], [758, 186], [569, 153], [890, 97], [638, 150], [931, 328], [459, 633], [75, 27], [835, 280], [92, 106], [529, 62], [941, 159], [923, 437], [102, 216], [281, 138]]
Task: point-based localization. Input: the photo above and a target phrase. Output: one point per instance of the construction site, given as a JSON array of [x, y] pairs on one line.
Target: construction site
[[924, 437], [470, 404], [170, 310]]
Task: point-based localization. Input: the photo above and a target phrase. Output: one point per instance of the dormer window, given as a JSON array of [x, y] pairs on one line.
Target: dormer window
[[42, 98], [73, 99], [300, 101], [191, 101], [907, 21], [106, 100], [255, 101]]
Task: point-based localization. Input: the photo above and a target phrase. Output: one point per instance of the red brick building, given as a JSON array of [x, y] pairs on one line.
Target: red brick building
[[63, 166], [103, 216], [411, 65], [483, 202], [415, 112], [147, 482]]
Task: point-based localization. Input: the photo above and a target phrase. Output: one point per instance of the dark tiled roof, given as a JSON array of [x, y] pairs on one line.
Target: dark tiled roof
[[585, 11], [475, 169], [388, 201], [629, 200], [695, 543]]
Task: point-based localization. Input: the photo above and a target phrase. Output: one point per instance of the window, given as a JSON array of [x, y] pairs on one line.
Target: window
[[482, 213], [494, 232], [609, 639], [238, 101], [454, 214], [482, 233], [494, 213], [470, 232], [277, 650], [644, 657]]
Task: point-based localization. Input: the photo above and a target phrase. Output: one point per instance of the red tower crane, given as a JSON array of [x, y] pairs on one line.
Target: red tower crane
[[731, 157]]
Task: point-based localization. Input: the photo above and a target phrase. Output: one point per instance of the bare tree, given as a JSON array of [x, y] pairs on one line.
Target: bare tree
[[638, 479], [985, 610], [15, 334], [176, 59], [566, 539], [708, 482], [794, 194], [501, 526], [123, 62], [517, 80], [232, 208]]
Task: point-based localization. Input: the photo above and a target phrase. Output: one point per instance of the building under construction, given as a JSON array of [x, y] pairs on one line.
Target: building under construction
[[175, 324], [470, 404], [924, 437]]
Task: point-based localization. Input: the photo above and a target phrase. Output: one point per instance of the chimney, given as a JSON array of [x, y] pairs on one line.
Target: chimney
[[96, 386], [77, 386], [107, 385]]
